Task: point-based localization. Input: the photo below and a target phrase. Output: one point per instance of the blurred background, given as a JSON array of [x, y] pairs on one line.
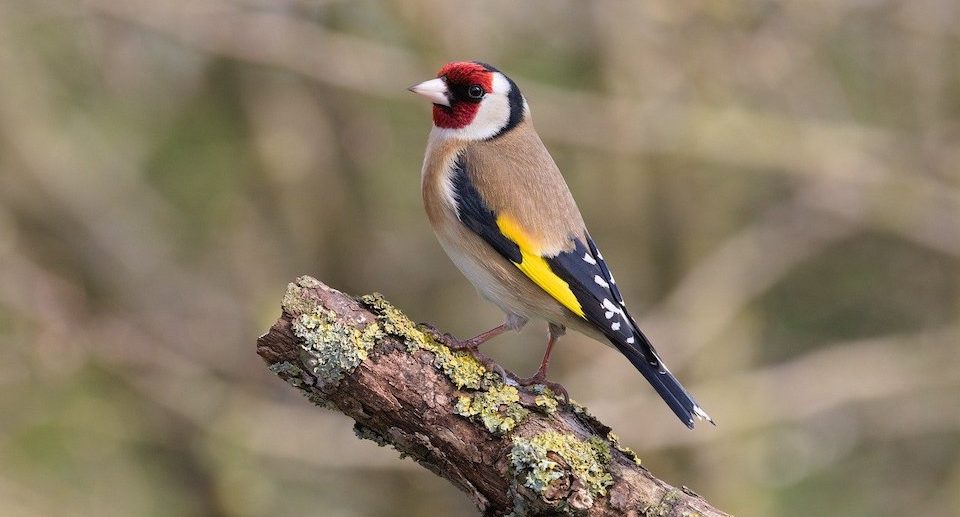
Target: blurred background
[[785, 221]]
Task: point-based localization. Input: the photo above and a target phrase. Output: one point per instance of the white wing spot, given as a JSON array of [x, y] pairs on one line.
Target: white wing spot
[[612, 281], [615, 325], [630, 340], [600, 281], [588, 259], [611, 307]]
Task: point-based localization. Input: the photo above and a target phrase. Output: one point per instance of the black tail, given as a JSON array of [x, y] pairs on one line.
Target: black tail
[[656, 373]]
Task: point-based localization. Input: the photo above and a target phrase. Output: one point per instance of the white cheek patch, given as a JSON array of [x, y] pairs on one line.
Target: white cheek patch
[[500, 84], [493, 114]]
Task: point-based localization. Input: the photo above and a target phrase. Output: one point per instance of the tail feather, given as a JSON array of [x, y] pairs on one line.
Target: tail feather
[[669, 388]]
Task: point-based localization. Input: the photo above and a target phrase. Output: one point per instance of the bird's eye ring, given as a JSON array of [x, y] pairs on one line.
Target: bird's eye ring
[[475, 91]]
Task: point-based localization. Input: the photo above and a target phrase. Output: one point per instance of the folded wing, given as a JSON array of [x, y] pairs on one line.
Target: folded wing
[[579, 279]]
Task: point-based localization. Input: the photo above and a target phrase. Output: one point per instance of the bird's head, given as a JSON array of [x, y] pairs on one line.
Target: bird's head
[[473, 101]]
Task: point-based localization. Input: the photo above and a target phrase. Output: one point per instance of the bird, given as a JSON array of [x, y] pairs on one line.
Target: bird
[[504, 215]]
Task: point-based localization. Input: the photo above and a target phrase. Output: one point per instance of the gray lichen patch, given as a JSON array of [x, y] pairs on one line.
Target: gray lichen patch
[[331, 349], [520, 505], [365, 433], [464, 370], [289, 372], [296, 377], [666, 505], [555, 464], [498, 408]]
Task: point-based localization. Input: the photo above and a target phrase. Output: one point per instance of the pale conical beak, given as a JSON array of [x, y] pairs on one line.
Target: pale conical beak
[[435, 90]]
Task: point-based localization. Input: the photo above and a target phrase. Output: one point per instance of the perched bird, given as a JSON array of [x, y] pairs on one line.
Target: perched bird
[[503, 213]]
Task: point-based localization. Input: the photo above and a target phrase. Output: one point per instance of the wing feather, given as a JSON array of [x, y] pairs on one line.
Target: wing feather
[[579, 279], [536, 267]]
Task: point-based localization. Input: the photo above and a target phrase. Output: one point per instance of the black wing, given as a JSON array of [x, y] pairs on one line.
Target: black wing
[[590, 279]]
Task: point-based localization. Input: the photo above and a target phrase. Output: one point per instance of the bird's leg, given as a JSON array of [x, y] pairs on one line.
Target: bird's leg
[[481, 338], [513, 322], [555, 332], [541, 376]]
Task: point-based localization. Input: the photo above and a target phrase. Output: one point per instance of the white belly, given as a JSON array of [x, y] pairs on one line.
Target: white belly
[[481, 278]]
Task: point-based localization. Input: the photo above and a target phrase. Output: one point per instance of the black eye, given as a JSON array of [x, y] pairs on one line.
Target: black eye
[[475, 91]]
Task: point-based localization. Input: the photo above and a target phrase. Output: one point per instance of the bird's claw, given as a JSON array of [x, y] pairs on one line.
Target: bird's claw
[[541, 380]]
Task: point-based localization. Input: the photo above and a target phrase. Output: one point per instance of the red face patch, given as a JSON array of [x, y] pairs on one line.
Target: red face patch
[[461, 74]]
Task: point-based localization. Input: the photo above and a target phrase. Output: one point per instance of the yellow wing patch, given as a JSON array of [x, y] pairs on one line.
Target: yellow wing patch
[[536, 268]]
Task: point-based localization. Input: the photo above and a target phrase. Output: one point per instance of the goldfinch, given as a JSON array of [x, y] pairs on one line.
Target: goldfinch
[[503, 213]]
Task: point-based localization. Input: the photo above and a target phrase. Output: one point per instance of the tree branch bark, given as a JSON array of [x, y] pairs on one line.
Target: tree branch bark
[[512, 451]]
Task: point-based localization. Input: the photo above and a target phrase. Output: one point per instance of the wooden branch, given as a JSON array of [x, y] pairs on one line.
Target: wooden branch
[[512, 451]]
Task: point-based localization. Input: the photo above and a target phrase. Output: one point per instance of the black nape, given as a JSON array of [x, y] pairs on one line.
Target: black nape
[[515, 99]]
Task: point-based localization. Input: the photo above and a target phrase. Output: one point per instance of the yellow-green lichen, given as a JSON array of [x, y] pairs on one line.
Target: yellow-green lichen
[[545, 458], [579, 409], [459, 366], [331, 348], [296, 299], [498, 408], [495, 405], [547, 402], [627, 451]]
